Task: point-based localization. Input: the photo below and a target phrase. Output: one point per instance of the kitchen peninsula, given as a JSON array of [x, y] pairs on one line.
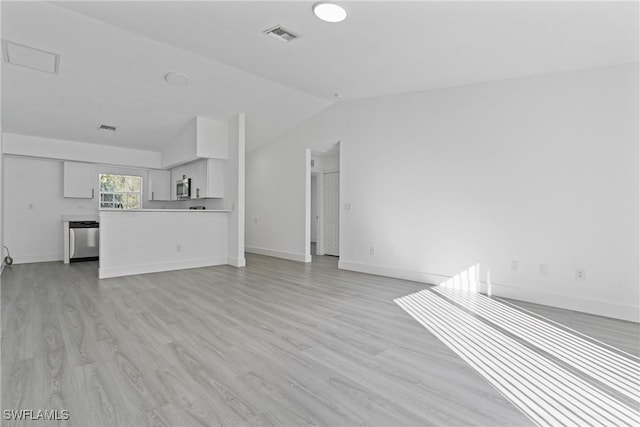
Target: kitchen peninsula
[[152, 240]]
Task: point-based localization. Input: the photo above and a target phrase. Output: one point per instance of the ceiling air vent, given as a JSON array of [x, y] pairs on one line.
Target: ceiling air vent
[[107, 128], [30, 57], [281, 34]]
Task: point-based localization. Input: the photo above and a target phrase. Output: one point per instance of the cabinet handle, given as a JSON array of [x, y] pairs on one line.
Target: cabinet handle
[[93, 192], [153, 196]]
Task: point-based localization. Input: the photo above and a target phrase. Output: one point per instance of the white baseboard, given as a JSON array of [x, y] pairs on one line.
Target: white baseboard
[[568, 302], [28, 259], [104, 273], [599, 307], [278, 254], [378, 270], [237, 262]]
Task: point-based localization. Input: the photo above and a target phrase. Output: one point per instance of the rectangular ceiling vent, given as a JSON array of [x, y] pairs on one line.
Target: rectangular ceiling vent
[[281, 34], [108, 128], [30, 57]]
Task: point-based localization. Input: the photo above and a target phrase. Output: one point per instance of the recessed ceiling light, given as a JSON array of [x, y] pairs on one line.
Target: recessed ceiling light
[[177, 79], [329, 12]]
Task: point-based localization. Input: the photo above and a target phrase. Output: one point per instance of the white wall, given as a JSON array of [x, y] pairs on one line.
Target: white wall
[[331, 164], [34, 206], [542, 170]]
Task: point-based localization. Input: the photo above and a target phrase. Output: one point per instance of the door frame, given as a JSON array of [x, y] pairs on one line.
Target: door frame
[[320, 195]]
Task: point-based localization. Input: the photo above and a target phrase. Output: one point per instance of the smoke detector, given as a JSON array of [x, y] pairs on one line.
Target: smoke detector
[[281, 34], [177, 79]]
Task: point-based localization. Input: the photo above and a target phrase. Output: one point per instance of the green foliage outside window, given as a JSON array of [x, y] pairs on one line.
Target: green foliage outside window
[[120, 191]]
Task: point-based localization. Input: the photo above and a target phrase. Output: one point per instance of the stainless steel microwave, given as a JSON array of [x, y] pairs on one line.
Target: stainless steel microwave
[[183, 188]]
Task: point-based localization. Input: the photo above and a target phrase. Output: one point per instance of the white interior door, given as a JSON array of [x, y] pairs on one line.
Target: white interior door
[[332, 213]]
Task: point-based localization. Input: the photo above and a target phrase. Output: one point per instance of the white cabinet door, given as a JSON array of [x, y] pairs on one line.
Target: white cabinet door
[[215, 178], [159, 185], [207, 179], [79, 180], [198, 179], [332, 213]]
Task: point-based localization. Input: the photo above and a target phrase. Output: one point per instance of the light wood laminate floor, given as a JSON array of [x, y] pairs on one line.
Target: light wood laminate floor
[[276, 343]]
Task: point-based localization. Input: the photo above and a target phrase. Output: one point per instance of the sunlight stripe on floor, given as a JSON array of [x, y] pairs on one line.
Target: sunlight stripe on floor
[[610, 368], [542, 390]]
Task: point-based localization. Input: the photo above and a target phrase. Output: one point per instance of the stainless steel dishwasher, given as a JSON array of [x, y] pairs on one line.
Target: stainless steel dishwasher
[[84, 241]]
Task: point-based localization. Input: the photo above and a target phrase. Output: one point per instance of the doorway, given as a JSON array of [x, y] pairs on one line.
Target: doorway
[[323, 202]]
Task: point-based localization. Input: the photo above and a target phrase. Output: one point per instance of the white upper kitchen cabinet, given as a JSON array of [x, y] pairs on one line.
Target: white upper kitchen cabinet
[[207, 179], [159, 185], [79, 180], [215, 178], [198, 179]]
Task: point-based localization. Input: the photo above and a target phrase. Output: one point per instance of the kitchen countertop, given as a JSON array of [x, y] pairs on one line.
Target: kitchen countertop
[[165, 210], [96, 217], [81, 217]]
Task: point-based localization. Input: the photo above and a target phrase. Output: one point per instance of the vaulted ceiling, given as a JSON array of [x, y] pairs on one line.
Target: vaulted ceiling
[[114, 56]]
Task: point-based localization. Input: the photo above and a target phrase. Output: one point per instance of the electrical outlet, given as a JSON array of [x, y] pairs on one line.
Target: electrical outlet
[[514, 265], [580, 273], [178, 248], [544, 269], [372, 250]]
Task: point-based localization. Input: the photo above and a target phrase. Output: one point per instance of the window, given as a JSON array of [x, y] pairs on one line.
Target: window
[[120, 191]]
